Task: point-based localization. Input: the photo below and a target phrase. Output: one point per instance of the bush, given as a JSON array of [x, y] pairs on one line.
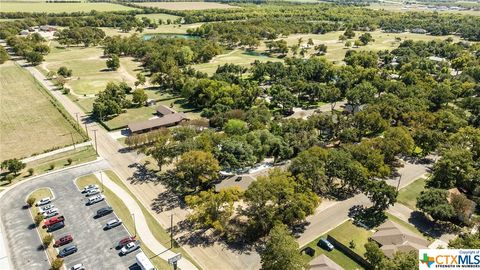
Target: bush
[[38, 219], [52, 166], [69, 161], [47, 239], [31, 201], [352, 244], [30, 171], [57, 264], [9, 178], [66, 91]]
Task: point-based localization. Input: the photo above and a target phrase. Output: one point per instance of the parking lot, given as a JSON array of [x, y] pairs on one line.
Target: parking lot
[[96, 247]]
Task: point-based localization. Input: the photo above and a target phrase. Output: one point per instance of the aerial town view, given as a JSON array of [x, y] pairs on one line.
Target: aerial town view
[[239, 134]]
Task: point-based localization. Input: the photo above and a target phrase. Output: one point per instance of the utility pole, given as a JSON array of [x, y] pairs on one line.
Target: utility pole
[[398, 184], [73, 141], [134, 225], [86, 129], [171, 235], [101, 179], [95, 136], [78, 121]]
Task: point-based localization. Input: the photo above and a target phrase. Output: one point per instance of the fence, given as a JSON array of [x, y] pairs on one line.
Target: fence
[[350, 253]]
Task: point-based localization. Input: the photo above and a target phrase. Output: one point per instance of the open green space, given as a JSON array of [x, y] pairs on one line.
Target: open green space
[[408, 195], [122, 212], [161, 29], [344, 233], [58, 161], [31, 121], [186, 5], [158, 16], [39, 194], [60, 7]]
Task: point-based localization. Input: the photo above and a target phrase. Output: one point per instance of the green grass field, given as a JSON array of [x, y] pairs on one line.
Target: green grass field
[[344, 233], [161, 29], [60, 7], [408, 195], [29, 123], [158, 16], [186, 5]]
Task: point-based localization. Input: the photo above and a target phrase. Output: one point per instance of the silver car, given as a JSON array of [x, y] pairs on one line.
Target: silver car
[[92, 192], [50, 213], [129, 248], [44, 201], [45, 208], [113, 223]]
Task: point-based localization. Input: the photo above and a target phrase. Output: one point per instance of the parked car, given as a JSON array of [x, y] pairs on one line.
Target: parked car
[[112, 223], [132, 246], [125, 241], [56, 226], [324, 243], [78, 266], [95, 199], [63, 240], [45, 208], [67, 251], [44, 201], [103, 211], [50, 213], [85, 189], [93, 191], [49, 222]]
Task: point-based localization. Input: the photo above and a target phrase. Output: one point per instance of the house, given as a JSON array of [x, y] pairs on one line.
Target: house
[[468, 211], [392, 238], [241, 181], [165, 121], [163, 110], [47, 28], [24, 32], [418, 31], [322, 262]]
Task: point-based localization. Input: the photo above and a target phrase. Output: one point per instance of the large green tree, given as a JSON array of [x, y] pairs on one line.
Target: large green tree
[[196, 169], [281, 251], [434, 202]]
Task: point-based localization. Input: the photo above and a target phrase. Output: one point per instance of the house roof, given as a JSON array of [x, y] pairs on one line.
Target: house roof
[[393, 237], [241, 181], [322, 262], [164, 110], [166, 120]]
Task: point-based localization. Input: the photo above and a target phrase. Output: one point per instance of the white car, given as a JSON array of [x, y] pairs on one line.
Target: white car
[[113, 223], [50, 213], [92, 192], [129, 248], [44, 201], [95, 199], [78, 266], [87, 188], [44, 209]]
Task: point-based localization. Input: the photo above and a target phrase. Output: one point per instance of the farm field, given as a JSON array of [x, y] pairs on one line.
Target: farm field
[[186, 5], [238, 57], [90, 74], [60, 7], [28, 116]]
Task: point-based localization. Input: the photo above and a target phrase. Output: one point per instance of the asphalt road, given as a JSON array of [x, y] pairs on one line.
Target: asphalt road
[[95, 246]]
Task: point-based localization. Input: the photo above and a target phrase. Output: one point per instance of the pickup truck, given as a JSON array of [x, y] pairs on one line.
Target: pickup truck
[[49, 222]]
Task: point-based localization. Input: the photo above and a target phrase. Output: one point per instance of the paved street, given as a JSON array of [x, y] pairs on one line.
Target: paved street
[[23, 241]]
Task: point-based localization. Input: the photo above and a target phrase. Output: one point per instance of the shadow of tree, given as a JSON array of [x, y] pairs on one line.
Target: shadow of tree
[[432, 228], [142, 174]]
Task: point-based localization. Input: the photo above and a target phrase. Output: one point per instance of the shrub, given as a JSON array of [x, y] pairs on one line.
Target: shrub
[[57, 264], [9, 178], [352, 244], [31, 200], [66, 91], [38, 219], [47, 239], [30, 171], [69, 161], [52, 166]]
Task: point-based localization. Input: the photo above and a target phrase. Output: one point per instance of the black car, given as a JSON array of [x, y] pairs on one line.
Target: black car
[[103, 211], [56, 226], [67, 251]]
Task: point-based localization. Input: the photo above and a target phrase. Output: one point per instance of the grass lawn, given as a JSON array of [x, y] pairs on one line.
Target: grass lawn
[[39, 194], [81, 155], [29, 122], [238, 57], [122, 212], [158, 16], [408, 195], [131, 115], [60, 7], [161, 29], [90, 73], [344, 233], [186, 5], [408, 226]]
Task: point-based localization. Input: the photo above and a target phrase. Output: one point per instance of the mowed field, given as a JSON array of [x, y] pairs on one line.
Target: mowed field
[[158, 16], [90, 73], [59, 7], [29, 123], [186, 5]]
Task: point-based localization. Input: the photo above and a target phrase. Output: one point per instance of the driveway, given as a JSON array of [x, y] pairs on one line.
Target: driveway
[[95, 245]]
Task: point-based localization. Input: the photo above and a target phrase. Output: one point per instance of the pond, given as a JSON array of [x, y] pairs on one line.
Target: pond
[[186, 36]]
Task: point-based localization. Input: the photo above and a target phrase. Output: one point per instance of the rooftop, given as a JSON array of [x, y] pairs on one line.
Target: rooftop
[[164, 110], [322, 262], [167, 120]]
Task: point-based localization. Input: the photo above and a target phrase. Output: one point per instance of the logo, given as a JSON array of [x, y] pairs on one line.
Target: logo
[[427, 260], [459, 259]]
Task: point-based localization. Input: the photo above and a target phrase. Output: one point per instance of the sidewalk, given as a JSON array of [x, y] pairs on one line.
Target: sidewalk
[[141, 224], [54, 152]]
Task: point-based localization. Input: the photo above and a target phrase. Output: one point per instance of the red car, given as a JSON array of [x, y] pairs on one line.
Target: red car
[[125, 241], [63, 240], [49, 222]]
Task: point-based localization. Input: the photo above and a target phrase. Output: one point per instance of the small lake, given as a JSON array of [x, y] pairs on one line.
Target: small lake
[[150, 36]]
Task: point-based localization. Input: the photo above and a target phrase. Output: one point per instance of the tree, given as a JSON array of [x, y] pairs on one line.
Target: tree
[[13, 165], [235, 127], [365, 38], [3, 55], [283, 98], [357, 43], [235, 154], [454, 168], [463, 207], [381, 194], [30, 171], [348, 44], [114, 62], [466, 241], [197, 169], [434, 202], [31, 201], [309, 168], [310, 42], [361, 93], [64, 71], [139, 96], [38, 219], [110, 101], [349, 33], [276, 198], [141, 80], [47, 239], [373, 253], [321, 49], [213, 209], [281, 251], [57, 264], [161, 151], [34, 58]]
